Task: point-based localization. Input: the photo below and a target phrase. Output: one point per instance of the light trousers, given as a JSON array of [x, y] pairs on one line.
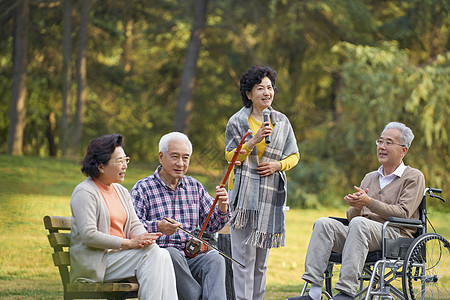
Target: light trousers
[[152, 267], [249, 282], [353, 242]]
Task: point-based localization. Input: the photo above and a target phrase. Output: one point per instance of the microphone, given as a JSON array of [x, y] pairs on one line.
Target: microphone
[[266, 114]]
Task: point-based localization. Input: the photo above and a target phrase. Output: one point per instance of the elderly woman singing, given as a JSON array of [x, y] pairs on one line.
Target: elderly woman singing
[[258, 187]]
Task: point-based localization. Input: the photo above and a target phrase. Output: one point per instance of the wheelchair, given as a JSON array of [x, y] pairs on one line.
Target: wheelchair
[[405, 268]]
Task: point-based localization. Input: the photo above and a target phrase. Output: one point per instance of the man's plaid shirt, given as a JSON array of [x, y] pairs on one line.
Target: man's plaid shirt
[[189, 204]]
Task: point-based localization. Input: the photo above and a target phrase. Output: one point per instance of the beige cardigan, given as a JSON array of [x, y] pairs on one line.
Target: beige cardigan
[[90, 238], [400, 198]]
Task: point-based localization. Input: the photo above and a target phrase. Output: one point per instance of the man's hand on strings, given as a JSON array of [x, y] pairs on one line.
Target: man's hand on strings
[[222, 195], [168, 228]]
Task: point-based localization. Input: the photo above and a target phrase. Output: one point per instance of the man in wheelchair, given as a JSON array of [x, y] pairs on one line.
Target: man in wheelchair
[[394, 190]]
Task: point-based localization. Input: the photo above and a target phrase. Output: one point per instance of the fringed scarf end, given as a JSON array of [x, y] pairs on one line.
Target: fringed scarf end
[[241, 217], [265, 240]]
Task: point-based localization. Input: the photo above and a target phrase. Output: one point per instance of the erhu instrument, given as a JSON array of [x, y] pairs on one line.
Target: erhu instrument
[[203, 242]]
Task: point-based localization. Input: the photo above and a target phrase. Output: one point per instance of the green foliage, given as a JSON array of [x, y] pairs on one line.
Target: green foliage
[[345, 69], [379, 85]]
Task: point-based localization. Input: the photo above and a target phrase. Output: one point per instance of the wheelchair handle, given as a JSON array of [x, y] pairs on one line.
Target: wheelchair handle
[[435, 190], [429, 191], [436, 196]]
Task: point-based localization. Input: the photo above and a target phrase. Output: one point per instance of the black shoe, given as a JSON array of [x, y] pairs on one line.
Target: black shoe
[[306, 297], [343, 296]]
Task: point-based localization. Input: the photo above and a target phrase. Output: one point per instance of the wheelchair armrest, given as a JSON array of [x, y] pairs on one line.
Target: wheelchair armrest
[[404, 221], [393, 221], [342, 220]]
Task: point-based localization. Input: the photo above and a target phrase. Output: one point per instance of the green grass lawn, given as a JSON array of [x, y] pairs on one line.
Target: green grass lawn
[[31, 188]]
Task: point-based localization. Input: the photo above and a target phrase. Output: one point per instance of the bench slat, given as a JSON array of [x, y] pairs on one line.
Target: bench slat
[[102, 287], [61, 258], [59, 239], [57, 223]]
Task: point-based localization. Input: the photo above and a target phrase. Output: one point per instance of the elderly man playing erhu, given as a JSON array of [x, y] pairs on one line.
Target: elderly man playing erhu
[[169, 194]]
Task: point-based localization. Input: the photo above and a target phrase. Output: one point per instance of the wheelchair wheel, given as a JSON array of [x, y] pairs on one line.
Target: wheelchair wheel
[[426, 268]]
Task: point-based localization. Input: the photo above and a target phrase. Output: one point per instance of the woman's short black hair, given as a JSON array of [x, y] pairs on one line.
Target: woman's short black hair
[[99, 152], [254, 76]]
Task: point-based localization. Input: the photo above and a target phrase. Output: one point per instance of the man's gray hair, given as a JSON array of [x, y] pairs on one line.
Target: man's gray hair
[[173, 136], [406, 136]]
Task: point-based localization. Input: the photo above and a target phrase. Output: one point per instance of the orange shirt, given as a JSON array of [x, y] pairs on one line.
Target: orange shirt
[[117, 213]]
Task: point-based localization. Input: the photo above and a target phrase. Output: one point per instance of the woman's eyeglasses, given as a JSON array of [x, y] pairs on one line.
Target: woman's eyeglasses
[[121, 161]]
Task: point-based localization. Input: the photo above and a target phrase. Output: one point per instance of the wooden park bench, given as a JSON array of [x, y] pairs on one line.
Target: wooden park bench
[[59, 239]]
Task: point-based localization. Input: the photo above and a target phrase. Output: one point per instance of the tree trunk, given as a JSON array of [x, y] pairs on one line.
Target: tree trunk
[[51, 118], [337, 101], [127, 46], [184, 105], [19, 89], [66, 76], [81, 76]]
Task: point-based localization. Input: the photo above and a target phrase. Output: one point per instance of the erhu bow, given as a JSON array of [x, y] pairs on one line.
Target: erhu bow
[[197, 245]]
